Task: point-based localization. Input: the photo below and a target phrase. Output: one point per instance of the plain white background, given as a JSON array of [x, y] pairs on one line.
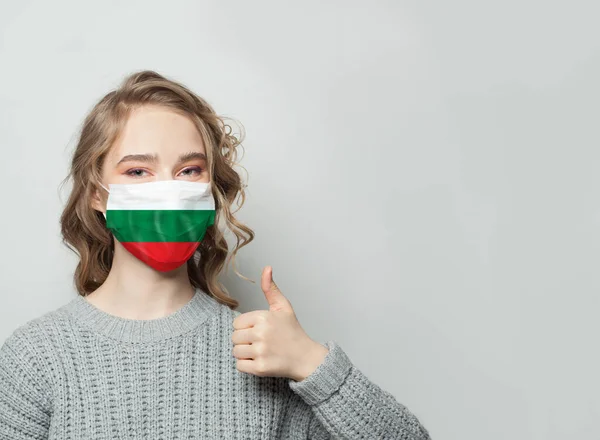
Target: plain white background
[[422, 178]]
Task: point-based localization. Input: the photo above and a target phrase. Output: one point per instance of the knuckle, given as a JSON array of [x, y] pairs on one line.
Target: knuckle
[[259, 349], [263, 317], [261, 368], [260, 334]]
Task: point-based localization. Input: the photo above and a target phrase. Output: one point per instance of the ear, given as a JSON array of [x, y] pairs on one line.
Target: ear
[[97, 201]]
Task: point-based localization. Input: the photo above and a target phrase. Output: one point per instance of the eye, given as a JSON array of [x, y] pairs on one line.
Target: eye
[[191, 171], [136, 172]]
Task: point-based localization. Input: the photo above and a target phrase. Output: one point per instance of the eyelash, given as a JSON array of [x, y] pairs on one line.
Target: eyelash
[[132, 171]]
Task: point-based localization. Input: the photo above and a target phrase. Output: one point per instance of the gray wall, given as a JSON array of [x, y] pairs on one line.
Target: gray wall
[[421, 179]]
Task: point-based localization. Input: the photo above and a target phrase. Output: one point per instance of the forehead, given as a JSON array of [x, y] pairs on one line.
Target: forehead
[[158, 130]]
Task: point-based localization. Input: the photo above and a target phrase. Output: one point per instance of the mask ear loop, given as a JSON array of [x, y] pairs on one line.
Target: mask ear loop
[[104, 212]]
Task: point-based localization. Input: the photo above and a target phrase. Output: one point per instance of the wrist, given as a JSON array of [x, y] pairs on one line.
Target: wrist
[[312, 359]]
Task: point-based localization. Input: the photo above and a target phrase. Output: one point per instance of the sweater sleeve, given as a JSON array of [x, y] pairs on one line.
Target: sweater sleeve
[[347, 405], [24, 402]]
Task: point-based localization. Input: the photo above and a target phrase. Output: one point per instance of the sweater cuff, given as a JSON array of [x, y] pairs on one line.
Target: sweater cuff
[[327, 377]]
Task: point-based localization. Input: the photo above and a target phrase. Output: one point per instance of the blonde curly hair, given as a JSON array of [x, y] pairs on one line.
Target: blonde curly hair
[[84, 229]]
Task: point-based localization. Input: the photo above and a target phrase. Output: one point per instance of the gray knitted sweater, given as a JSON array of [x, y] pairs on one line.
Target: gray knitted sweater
[[77, 372]]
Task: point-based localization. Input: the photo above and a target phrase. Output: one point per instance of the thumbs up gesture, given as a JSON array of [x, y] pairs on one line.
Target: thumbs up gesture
[[272, 342]]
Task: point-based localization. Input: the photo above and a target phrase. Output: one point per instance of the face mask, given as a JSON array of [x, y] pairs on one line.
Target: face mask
[[161, 223]]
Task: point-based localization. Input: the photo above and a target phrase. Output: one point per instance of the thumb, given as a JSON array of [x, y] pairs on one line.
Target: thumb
[[277, 301]]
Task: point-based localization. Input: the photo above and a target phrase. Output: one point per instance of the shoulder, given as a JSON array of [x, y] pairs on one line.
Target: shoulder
[[25, 360], [32, 336], [30, 330], [227, 316], [225, 311], [27, 344]]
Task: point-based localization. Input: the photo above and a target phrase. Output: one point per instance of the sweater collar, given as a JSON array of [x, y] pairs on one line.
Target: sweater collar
[[196, 311]]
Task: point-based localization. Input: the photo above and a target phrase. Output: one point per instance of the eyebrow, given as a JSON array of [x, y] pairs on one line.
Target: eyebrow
[[192, 155], [153, 158]]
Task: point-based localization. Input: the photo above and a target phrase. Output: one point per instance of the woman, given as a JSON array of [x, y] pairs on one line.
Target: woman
[[152, 346]]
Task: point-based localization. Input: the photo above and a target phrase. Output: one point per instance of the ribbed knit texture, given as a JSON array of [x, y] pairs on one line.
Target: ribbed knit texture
[[78, 372]]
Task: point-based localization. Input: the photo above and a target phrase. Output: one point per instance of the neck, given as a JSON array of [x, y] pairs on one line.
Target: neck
[[134, 290]]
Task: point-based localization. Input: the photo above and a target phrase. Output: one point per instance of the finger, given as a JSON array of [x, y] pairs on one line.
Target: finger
[[245, 365], [276, 299], [266, 280], [249, 319], [243, 336], [243, 351]]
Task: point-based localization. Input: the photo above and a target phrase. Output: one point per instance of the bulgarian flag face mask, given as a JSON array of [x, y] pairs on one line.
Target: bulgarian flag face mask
[[161, 223]]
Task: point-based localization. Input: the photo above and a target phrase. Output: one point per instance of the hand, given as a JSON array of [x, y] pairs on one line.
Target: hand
[[272, 342]]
